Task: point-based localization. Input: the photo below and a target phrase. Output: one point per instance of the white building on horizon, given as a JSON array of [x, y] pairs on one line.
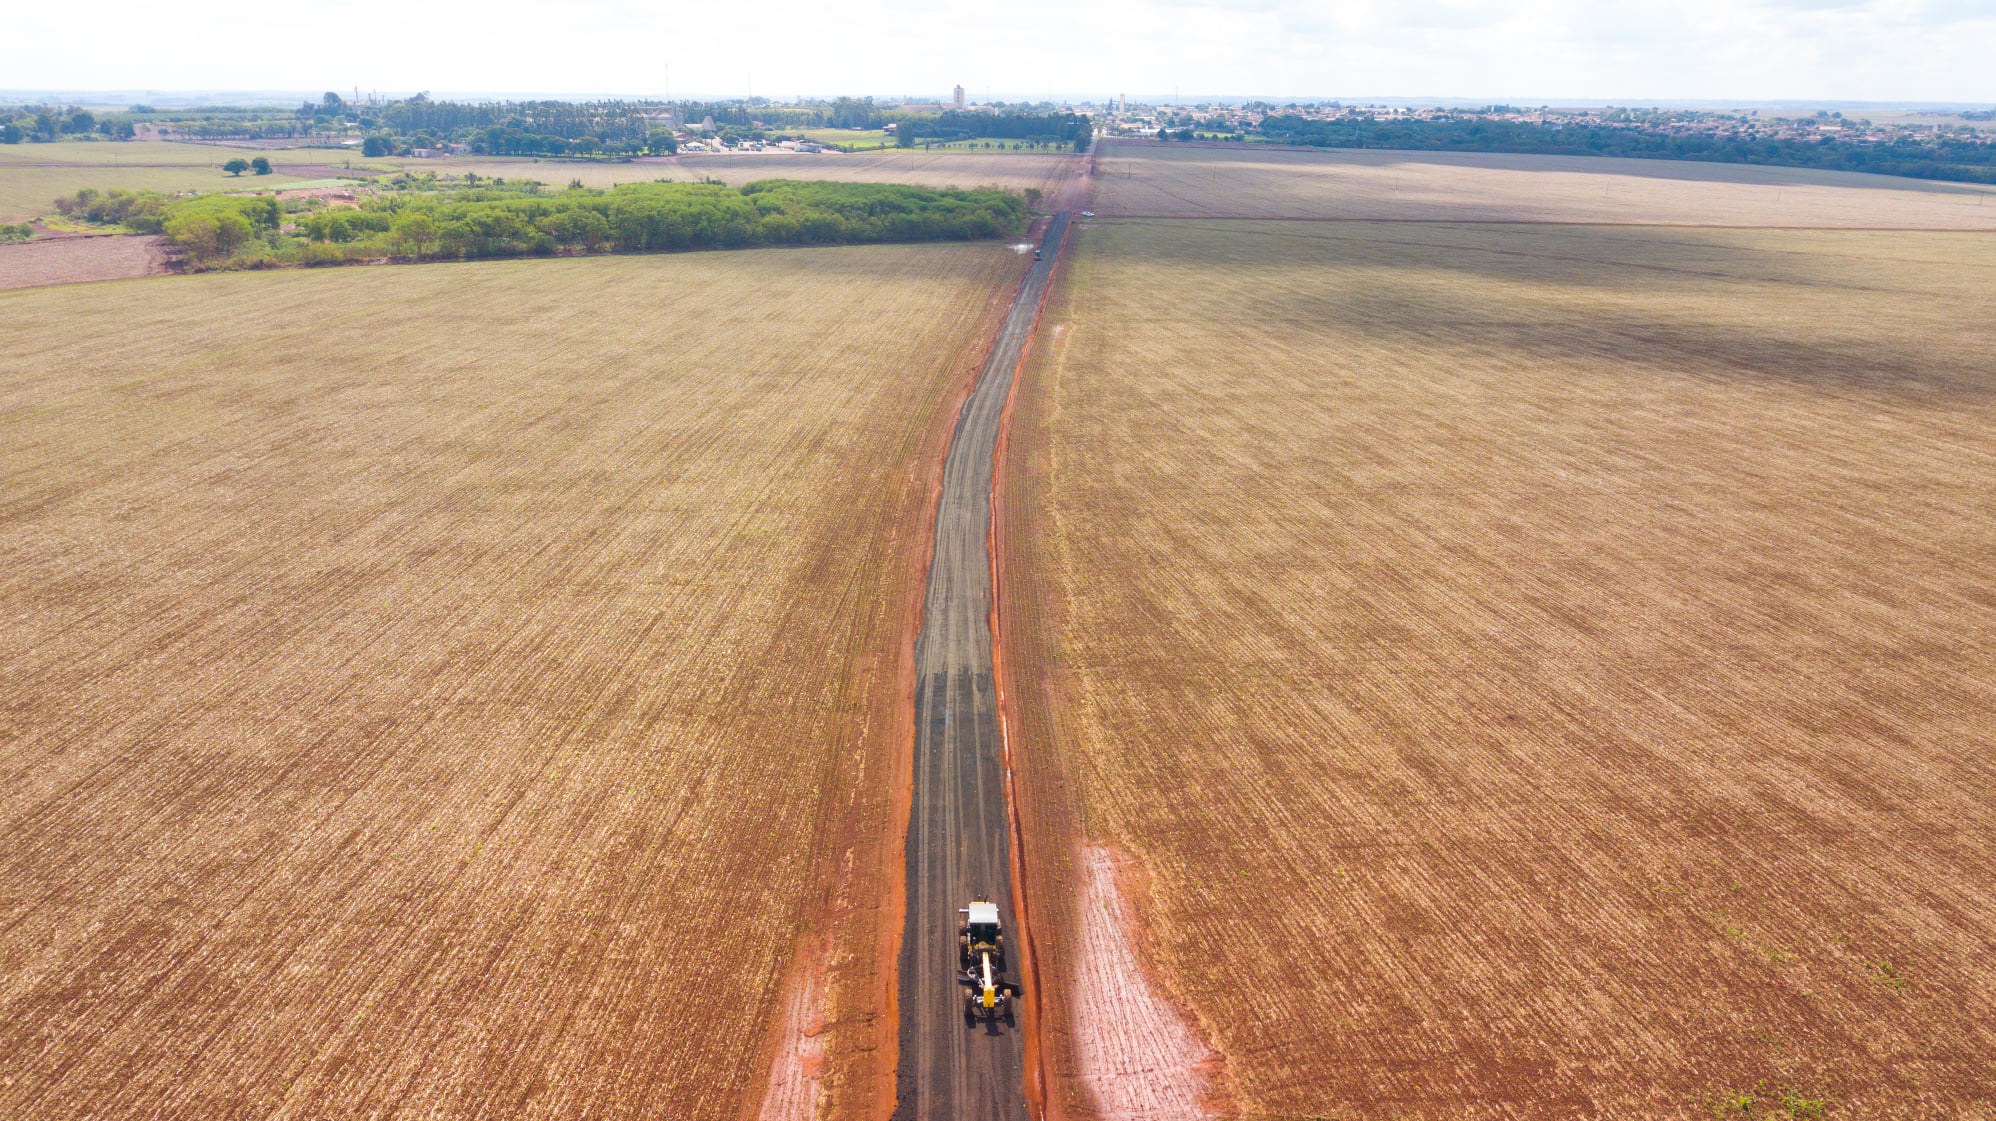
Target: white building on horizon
[[959, 95]]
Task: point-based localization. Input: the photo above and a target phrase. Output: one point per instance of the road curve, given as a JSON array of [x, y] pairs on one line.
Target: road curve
[[959, 843]]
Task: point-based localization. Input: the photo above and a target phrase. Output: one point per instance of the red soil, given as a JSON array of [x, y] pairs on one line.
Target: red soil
[[1071, 193], [800, 1060]]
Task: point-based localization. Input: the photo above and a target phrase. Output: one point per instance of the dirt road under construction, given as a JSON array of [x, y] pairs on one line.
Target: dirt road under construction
[[959, 842]]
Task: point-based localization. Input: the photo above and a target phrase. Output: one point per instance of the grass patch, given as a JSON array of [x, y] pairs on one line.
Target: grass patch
[[1739, 937], [1769, 1103], [1887, 974]]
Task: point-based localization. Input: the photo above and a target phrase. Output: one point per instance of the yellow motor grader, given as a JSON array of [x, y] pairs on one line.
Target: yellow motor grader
[[981, 965]]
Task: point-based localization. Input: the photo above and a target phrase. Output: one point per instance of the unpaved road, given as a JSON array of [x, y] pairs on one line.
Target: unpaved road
[[958, 840]]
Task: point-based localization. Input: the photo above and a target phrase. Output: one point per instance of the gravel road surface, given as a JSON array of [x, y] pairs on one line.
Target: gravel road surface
[[959, 845]]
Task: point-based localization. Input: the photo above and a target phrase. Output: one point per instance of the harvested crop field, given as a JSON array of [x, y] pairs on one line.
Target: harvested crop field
[[461, 690], [1172, 181], [70, 260], [1538, 672], [1014, 171]]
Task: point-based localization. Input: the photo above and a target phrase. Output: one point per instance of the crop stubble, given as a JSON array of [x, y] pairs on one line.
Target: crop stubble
[[1540, 671], [1013, 171], [1170, 181], [454, 691]]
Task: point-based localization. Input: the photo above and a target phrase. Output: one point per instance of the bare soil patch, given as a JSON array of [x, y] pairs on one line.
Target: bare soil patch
[[798, 1067], [1011, 170], [1135, 1055], [73, 260]]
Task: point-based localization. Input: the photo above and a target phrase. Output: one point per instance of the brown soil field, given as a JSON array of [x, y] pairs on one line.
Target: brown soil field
[[68, 260], [1170, 181], [460, 690], [1011, 170], [1533, 671]]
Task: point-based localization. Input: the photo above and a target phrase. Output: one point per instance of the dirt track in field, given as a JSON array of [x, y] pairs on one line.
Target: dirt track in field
[[959, 843]]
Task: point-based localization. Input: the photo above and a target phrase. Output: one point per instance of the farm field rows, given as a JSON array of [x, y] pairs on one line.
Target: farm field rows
[[459, 690], [1012, 170], [1194, 181], [1529, 671]]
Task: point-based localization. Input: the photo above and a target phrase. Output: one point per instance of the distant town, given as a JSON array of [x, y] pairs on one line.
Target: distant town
[[1246, 120], [1933, 144]]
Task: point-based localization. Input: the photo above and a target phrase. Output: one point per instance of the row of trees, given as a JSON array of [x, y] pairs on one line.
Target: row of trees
[[552, 128], [139, 211], [207, 228], [508, 140], [548, 127], [1944, 158], [1064, 129], [46, 123], [230, 231], [629, 128], [649, 217]]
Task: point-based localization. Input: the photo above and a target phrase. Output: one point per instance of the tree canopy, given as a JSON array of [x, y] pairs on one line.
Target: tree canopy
[[1941, 158], [232, 231]]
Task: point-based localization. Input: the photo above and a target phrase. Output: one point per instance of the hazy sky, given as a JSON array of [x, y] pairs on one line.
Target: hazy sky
[[1935, 50]]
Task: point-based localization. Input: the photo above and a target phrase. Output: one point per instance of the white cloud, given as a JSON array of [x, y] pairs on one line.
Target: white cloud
[[1512, 49]]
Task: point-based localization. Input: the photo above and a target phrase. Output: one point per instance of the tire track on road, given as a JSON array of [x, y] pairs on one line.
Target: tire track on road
[[959, 832]]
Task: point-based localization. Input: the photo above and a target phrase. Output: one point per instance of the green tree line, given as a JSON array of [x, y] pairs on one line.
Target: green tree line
[[1943, 158], [46, 123], [230, 231], [1072, 129], [561, 128]]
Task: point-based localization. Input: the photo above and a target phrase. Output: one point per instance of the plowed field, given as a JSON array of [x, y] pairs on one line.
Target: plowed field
[[457, 691], [1192, 181], [1538, 672], [1014, 171], [73, 260]]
